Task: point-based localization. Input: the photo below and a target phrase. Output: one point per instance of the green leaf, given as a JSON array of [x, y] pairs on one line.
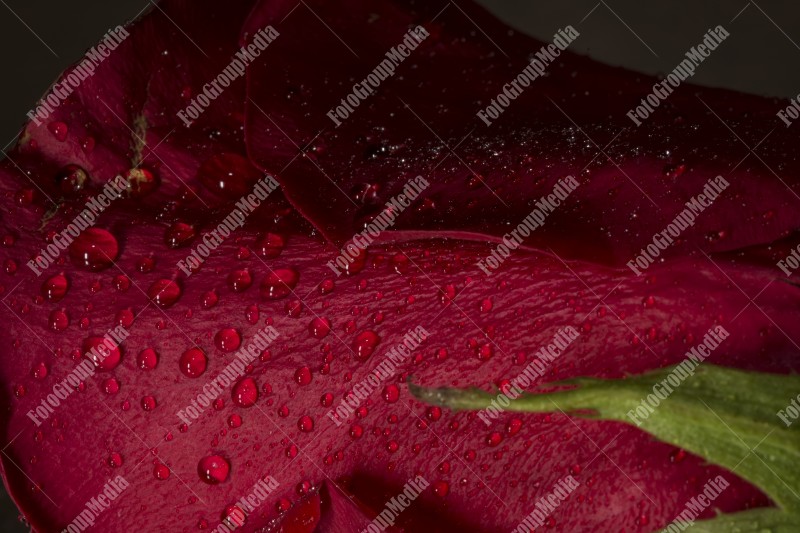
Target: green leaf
[[729, 417]]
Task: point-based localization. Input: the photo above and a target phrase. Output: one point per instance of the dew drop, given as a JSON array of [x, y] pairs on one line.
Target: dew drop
[[179, 234], [240, 280], [234, 421], [39, 371], [111, 386], [94, 249], [279, 283], [213, 469], [164, 293], [59, 130], [55, 288], [193, 362], [302, 376], [245, 392], [319, 327], [227, 340], [305, 424], [104, 353], [365, 343], [270, 245], [210, 299], [441, 488], [391, 393], [147, 359], [148, 403], [161, 472]]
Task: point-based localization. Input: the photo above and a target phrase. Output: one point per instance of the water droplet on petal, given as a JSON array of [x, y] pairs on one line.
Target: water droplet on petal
[[94, 249], [59, 130], [161, 472], [441, 488], [164, 293], [55, 288], [245, 392], [302, 375], [179, 234], [103, 352], [279, 283], [240, 280], [193, 362], [147, 359], [227, 340], [270, 245], [319, 327], [365, 343], [213, 469], [114, 460], [305, 424], [391, 393]]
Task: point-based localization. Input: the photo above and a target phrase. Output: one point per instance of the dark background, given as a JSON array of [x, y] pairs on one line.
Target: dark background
[[40, 39]]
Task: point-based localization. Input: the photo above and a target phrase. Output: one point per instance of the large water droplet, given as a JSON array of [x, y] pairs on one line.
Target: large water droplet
[[270, 245], [305, 424], [94, 249], [365, 343], [102, 352], [164, 293], [279, 283], [240, 280], [193, 362], [147, 359], [179, 234], [319, 327], [227, 340], [213, 469], [245, 392], [55, 288]]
